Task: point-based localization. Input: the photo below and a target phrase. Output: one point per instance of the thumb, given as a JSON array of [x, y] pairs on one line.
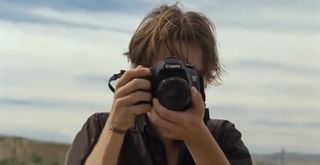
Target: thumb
[[197, 101]]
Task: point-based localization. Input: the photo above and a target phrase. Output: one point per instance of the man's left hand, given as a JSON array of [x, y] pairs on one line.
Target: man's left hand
[[179, 125]]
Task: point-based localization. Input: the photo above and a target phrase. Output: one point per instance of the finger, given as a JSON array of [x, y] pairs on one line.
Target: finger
[[158, 120], [197, 101], [132, 73], [164, 126], [165, 113], [135, 97], [140, 109], [132, 86]]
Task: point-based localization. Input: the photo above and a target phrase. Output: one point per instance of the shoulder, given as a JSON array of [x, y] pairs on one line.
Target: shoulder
[[229, 139], [86, 138], [94, 124], [93, 127], [97, 119], [220, 128]]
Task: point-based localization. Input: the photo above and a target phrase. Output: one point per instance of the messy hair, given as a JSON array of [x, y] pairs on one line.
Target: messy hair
[[168, 25]]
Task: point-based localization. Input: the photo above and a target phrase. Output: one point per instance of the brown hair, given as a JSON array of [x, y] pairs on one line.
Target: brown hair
[[167, 25]]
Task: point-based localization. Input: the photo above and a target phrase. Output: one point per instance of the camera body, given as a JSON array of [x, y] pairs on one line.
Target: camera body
[[171, 81]]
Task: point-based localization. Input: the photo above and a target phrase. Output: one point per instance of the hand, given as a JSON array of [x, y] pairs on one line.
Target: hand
[[179, 125], [128, 92]]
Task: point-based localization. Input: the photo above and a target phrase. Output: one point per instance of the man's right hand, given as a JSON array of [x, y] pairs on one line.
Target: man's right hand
[[129, 90]]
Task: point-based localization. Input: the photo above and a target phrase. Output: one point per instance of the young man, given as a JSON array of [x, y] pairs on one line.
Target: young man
[[150, 134]]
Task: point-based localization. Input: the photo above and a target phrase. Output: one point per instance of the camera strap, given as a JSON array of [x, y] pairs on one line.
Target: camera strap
[[113, 78]]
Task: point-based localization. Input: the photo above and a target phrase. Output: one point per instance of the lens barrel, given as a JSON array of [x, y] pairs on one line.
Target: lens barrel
[[174, 93]]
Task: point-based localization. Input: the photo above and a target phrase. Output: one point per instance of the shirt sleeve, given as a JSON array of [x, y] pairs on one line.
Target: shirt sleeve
[[85, 139], [229, 140]]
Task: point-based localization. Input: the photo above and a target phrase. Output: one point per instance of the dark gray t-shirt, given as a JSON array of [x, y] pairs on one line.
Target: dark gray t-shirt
[[142, 147]]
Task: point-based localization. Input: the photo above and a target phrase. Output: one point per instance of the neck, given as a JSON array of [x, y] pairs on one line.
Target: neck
[[171, 149], [166, 141]]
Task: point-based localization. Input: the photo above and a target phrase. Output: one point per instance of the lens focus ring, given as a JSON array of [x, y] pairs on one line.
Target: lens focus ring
[[174, 93]]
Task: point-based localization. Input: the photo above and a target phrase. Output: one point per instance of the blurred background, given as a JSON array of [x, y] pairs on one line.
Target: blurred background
[[57, 56]]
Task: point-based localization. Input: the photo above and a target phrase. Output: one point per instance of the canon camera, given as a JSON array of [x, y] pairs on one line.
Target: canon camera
[[171, 81]]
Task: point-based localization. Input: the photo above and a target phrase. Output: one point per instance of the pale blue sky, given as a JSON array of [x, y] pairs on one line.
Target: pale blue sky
[[56, 57]]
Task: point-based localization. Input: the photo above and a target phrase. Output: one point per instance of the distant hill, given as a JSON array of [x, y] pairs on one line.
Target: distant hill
[[288, 158], [23, 151]]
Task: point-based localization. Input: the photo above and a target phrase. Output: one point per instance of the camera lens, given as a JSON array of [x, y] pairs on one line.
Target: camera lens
[[174, 93]]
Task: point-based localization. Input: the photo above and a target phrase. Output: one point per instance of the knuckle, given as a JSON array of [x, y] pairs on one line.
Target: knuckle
[[147, 83], [129, 72], [117, 86], [139, 69], [120, 102], [116, 94], [116, 104], [134, 84], [163, 114], [136, 72], [140, 83]]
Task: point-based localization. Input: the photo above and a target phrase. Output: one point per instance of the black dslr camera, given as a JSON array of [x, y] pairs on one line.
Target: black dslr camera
[[171, 81]]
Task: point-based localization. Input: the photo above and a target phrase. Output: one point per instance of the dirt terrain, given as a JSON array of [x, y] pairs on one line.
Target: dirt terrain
[[22, 151]]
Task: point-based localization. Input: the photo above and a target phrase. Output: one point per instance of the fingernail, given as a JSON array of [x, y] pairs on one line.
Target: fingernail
[[194, 90], [148, 70], [154, 100]]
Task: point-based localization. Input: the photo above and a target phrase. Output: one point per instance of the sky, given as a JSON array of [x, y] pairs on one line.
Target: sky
[[57, 56]]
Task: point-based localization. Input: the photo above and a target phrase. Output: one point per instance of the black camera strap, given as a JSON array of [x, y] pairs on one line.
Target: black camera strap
[[113, 78]]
